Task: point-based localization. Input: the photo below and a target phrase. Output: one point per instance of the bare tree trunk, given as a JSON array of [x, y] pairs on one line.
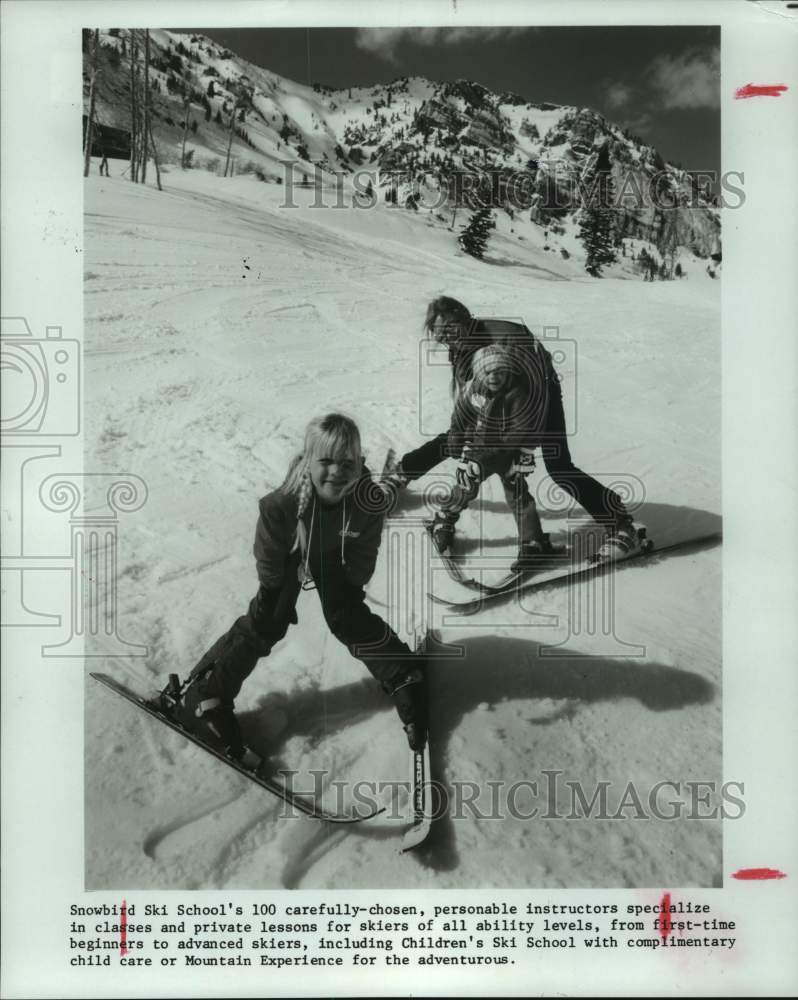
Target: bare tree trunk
[[92, 97], [230, 140], [146, 127], [155, 159], [139, 131], [134, 110], [186, 106]]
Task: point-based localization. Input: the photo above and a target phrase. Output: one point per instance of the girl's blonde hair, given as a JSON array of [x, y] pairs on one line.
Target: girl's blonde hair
[[334, 434]]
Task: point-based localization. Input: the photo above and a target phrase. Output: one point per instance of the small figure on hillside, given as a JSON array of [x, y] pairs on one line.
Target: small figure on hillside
[[320, 526]]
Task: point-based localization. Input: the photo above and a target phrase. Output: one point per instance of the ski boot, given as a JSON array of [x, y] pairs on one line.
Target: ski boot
[[409, 697], [441, 531], [168, 700], [530, 554], [210, 719], [624, 537]]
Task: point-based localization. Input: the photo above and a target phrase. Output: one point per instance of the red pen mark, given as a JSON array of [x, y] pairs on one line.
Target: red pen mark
[[759, 90], [123, 930], [665, 923], [758, 873]]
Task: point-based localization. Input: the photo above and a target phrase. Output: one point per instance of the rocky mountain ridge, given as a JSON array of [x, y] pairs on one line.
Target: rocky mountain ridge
[[424, 144]]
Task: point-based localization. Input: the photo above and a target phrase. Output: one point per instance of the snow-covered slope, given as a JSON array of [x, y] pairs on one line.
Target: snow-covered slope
[[417, 136], [217, 325]]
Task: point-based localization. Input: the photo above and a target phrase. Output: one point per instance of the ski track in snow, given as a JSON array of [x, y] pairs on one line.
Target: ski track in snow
[[200, 375], [154, 841]]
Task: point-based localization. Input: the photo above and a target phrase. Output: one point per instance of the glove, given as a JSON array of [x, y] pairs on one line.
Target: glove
[[524, 463], [468, 473]]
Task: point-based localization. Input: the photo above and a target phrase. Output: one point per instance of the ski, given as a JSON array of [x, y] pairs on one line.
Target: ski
[[451, 563], [530, 581], [421, 819], [419, 782], [454, 568], [555, 557], [544, 561], [385, 479], [388, 464], [309, 808]]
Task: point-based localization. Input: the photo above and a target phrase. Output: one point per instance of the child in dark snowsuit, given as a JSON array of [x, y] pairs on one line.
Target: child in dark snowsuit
[[322, 523], [493, 431]]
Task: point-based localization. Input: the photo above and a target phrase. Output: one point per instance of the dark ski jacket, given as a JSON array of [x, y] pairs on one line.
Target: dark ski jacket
[[346, 535], [491, 428], [533, 360]]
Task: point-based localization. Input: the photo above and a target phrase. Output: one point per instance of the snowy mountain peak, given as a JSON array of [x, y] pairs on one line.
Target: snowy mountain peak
[[412, 134]]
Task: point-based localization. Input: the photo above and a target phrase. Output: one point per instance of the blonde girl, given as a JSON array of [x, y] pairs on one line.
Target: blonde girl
[[322, 526]]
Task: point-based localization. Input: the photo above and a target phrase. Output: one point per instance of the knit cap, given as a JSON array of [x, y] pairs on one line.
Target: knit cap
[[489, 359]]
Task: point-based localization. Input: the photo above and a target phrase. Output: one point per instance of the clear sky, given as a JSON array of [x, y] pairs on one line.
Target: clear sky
[[663, 83]]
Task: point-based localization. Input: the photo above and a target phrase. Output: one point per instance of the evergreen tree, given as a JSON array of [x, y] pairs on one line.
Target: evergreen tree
[[474, 237], [597, 229]]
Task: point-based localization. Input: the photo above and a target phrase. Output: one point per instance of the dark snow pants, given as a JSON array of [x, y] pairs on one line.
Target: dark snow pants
[[601, 503], [233, 657]]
